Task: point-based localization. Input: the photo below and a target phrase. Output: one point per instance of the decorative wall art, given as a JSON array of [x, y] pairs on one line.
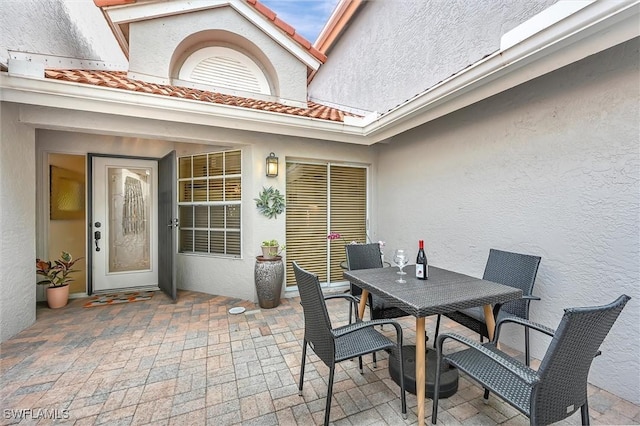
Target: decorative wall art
[[66, 192]]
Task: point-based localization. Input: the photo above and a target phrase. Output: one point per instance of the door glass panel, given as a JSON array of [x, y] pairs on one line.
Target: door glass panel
[[129, 225]]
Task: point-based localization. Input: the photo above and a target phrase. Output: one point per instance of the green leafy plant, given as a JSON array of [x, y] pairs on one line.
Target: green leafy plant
[[56, 274], [270, 202], [274, 248]]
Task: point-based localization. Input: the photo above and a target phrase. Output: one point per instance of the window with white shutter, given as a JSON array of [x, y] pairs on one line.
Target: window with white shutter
[[323, 198]]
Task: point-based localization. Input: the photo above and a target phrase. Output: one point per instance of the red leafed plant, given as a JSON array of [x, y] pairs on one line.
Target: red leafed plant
[[56, 274]]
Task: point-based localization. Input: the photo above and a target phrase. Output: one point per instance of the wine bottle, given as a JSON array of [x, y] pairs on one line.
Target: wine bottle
[[422, 267]]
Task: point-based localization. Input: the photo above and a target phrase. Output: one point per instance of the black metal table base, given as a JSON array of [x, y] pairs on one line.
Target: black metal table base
[[448, 379]]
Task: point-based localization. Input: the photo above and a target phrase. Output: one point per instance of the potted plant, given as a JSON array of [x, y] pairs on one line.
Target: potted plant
[[269, 274], [271, 249], [56, 277]]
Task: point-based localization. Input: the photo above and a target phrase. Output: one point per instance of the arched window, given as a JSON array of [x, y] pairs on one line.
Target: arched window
[[226, 68]]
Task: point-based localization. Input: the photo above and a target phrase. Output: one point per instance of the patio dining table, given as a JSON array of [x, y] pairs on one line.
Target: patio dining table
[[444, 291]]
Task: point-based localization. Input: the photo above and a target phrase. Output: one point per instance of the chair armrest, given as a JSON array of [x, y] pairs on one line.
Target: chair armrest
[[525, 323], [527, 374], [526, 297], [341, 296], [348, 297], [350, 328]]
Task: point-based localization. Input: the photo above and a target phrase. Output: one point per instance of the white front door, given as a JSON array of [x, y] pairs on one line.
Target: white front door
[[124, 227]]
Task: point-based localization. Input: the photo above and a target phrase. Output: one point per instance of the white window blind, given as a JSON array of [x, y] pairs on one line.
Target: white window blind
[[209, 200]]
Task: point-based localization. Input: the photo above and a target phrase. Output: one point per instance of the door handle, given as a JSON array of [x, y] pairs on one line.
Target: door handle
[[96, 236], [173, 223]]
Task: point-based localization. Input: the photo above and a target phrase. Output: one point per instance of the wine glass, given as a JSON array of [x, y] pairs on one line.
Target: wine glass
[[401, 259]]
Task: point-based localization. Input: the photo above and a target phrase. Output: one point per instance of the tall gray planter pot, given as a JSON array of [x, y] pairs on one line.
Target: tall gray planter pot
[[268, 276]]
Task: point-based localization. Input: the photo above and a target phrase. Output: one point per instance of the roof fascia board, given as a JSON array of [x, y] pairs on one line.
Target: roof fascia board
[[265, 25], [337, 22], [82, 97], [597, 27], [126, 14]]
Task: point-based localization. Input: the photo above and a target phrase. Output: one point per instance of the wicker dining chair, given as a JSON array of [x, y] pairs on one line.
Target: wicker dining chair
[[512, 269], [368, 256], [559, 387], [333, 345]]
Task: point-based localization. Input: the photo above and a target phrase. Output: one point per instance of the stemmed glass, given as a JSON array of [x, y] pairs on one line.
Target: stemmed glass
[[401, 259]]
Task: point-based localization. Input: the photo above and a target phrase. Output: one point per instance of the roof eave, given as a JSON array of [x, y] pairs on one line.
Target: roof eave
[[80, 97], [597, 27]]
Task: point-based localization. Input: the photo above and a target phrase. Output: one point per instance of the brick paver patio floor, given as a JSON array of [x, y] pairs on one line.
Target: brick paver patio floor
[[192, 363]]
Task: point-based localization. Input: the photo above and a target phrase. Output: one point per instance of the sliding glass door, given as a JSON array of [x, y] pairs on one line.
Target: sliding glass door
[[323, 198]]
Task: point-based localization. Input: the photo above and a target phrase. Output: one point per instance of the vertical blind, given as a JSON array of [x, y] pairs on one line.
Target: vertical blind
[[347, 212], [306, 222], [323, 198]]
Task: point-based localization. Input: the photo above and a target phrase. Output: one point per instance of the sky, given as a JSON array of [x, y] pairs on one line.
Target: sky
[[306, 16]]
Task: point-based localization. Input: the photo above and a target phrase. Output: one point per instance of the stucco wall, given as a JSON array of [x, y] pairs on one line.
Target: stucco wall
[[49, 27], [153, 43], [17, 221], [394, 50], [551, 168]]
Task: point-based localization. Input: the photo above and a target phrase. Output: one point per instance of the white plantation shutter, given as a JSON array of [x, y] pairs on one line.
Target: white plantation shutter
[[323, 198]]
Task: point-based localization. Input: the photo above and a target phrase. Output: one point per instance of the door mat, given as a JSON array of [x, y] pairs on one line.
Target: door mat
[[115, 298]]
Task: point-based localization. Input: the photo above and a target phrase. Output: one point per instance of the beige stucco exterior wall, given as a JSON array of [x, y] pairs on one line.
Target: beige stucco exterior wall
[[551, 168], [153, 44], [17, 222]]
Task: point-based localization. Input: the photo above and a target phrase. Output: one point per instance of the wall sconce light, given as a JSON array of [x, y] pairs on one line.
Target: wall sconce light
[[272, 165]]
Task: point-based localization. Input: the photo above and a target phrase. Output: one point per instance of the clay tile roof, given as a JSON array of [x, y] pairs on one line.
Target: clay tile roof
[[288, 29], [119, 80]]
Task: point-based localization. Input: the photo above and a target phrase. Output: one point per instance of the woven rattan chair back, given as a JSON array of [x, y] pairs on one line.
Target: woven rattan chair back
[[362, 256], [565, 367], [515, 270], [508, 268], [317, 325]]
